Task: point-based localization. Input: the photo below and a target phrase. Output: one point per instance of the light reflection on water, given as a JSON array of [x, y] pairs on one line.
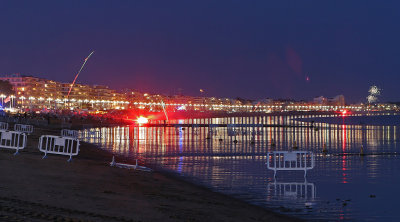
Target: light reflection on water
[[232, 160]]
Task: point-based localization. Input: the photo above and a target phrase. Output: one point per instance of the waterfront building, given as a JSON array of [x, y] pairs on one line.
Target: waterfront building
[[335, 101], [39, 93], [320, 100], [35, 93]]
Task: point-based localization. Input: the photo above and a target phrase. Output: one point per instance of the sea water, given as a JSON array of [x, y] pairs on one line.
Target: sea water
[[343, 185]]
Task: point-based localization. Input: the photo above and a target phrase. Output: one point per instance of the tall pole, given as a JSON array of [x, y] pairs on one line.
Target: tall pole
[[12, 101]]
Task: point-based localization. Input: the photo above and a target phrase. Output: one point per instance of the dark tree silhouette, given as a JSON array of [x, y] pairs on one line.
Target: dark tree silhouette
[[6, 88]]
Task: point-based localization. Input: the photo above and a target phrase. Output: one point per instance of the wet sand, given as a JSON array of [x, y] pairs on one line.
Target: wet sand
[[88, 189]]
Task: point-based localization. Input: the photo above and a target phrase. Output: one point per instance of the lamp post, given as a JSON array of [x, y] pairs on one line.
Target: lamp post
[[92, 102], [58, 101], [86, 101], [40, 100], [107, 104], [49, 101], [12, 101], [22, 104], [65, 103], [73, 101], [31, 98], [79, 103], [2, 99], [97, 104]]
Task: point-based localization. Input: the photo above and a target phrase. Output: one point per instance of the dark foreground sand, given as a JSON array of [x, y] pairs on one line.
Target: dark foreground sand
[[88, 189]]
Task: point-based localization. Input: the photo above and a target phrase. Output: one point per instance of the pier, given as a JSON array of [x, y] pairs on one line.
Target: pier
[[220, 125]]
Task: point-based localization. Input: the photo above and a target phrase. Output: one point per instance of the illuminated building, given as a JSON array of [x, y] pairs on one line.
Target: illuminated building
[[335, 101], [37, 93]]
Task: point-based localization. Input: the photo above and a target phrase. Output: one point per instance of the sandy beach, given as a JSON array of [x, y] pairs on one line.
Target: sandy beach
[[88, 189]]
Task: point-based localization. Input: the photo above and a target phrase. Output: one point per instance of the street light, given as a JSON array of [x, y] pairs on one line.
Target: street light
[[2, 99], [30, 101], [22, 98], [12, 101], [49, 100], [79, 103], [72, 101], [92, 102], [65, 102], [57, 102]]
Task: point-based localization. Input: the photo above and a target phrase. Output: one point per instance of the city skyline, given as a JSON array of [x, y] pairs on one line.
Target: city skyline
[[229, 49], [178, 110], [33, 93], [6, 77]]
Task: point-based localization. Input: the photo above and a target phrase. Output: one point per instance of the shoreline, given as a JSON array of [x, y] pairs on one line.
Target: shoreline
[[88, 189]]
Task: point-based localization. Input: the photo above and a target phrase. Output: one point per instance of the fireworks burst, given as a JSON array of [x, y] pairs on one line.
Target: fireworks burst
[[374, 92]]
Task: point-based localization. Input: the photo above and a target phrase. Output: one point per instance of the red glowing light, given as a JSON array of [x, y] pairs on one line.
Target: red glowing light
[[142, 120], [344, 112]]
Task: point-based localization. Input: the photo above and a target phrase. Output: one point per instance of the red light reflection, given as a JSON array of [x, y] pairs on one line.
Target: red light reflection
[[344, 140]]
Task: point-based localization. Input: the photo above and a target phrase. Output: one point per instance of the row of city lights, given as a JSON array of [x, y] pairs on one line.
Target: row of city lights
[[31, 98], [249, 106], [298, 107]]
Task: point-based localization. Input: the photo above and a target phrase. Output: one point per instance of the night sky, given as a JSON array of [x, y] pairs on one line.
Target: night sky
[[249, 49]]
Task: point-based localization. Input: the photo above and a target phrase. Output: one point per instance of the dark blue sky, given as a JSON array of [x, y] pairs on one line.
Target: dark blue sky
[[251, 49]]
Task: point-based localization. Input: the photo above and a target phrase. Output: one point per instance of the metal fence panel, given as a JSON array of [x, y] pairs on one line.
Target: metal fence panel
[[3, 126], [290, 160], [69, 133], [59, 145], [12, 140], [28, 129]]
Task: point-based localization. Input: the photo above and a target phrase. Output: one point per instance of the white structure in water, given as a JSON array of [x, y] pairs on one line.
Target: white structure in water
[[293, 190], [290, 160], [129, 166]]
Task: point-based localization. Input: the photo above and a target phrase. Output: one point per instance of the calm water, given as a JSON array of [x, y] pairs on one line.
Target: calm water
[[342, 186]]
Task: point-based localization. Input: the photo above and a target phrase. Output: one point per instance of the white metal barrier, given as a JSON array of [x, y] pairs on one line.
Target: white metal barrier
[[28, 129], [129, 166], [3, 126], [293, 190], [290, 160], [59, 145], [69, 133], [12, 140]]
